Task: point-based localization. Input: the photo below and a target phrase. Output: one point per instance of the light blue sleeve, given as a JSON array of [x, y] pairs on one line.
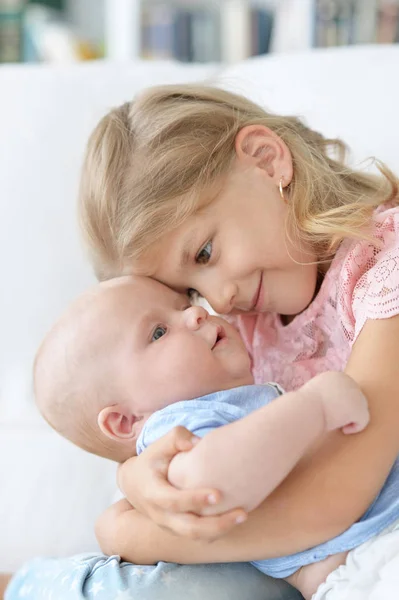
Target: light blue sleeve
[[200, 416]]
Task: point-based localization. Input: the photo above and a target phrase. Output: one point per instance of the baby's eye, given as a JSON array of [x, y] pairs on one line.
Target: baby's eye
[[158, 333], [204, 254]]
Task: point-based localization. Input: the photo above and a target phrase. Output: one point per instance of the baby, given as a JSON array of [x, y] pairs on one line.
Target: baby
[[130, 359]]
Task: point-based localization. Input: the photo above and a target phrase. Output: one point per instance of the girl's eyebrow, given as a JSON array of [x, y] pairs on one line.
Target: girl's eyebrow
[[185, 256], [190, 241], [185, 251]]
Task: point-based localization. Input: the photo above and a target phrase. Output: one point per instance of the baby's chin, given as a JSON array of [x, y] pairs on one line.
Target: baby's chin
[[235, 381], [247, 379]]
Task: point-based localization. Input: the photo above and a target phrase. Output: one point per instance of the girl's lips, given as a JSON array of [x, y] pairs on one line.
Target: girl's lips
[[257, 300]]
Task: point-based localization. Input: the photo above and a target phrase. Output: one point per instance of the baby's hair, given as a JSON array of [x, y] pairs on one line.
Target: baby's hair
[[73, 379], [152, 162]]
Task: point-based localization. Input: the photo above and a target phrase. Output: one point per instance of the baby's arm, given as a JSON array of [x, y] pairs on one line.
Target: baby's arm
[[249, 458]]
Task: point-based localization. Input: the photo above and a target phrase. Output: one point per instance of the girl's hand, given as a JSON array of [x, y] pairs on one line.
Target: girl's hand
[[144, 482], [4, 581]]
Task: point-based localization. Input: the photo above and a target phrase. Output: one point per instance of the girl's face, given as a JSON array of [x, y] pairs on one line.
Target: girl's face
[[236, 252]]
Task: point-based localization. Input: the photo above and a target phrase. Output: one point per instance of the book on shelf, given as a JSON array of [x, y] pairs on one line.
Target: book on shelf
[[261, 31], [346, 22], [194, 33], [388, 22], [10, 30]]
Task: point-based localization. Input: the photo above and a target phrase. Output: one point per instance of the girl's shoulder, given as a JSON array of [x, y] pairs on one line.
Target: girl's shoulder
[[367, 274]]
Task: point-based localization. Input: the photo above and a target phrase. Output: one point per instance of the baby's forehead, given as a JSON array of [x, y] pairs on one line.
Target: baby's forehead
[[141, 291]]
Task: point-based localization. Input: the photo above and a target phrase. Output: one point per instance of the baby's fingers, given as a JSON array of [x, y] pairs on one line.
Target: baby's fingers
[[205, 528]]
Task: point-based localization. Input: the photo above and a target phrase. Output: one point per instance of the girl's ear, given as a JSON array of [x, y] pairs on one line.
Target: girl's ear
[[118, 423], [259, 146]]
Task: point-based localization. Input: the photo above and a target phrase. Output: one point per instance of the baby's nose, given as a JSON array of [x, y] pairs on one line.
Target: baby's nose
[[195, 316]]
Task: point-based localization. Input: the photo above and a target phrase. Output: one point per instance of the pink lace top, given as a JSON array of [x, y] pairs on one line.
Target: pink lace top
[[362, 283]]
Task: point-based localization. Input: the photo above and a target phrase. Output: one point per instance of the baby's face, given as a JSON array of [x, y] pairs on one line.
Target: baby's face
[[173, 351]]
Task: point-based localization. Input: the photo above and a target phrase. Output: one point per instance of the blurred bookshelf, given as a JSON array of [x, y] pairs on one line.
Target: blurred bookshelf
[[342, 23], [187, 30], [232, 30], [197, 32]]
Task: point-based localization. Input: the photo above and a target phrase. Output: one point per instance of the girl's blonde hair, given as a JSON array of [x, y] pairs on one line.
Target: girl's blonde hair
[[151, 162]]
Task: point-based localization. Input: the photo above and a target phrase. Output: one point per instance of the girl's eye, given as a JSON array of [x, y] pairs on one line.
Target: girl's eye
[[204, 255], [158, 333]]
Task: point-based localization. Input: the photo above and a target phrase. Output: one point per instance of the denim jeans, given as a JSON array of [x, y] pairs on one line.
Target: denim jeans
[[98, 577]]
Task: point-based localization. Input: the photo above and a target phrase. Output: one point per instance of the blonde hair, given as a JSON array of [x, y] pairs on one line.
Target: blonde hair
[[150, 163]]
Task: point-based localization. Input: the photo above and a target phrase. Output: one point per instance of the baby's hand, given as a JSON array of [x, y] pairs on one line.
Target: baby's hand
[[345, 406], [144, 482]]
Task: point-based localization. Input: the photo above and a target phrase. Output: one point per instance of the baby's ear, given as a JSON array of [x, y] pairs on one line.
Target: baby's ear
[[118, 423]]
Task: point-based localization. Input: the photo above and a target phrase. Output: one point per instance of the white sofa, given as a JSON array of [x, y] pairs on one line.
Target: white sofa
[[50, 491]]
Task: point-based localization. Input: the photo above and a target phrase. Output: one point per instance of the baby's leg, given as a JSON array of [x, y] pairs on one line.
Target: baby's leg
[[309, 578]]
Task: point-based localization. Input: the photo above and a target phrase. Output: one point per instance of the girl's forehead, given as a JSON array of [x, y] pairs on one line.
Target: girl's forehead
[[175, 246], [171, 248]]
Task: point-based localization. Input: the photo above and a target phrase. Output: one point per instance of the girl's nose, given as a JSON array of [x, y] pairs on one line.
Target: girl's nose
[[222, 299], [195, 316]]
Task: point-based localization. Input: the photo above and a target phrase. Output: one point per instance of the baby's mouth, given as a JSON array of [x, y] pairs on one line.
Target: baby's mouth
[[220, 335]]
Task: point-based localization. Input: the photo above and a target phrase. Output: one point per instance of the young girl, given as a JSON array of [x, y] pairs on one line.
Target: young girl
[[206, 192]]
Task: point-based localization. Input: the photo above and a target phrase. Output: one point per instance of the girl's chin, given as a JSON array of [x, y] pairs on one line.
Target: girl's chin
[[237, 311]]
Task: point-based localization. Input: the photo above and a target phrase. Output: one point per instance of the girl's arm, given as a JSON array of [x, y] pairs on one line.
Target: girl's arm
[[271, 442], [122, 530], [347, 473], [4, 581], [329, 489]]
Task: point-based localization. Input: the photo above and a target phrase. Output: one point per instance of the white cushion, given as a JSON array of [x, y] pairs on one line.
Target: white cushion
[[51, 495]]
